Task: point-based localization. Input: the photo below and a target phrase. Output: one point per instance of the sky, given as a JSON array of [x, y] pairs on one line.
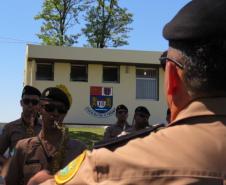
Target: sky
[[18, 28]]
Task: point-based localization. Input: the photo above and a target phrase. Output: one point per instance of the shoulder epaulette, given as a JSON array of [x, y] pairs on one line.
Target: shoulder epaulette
[[122, 140]]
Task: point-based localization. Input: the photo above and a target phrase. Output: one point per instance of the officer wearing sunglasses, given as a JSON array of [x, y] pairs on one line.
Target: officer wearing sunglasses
[[192, 149], [27, 125], [120, 126], [52, 149], [140, 120]]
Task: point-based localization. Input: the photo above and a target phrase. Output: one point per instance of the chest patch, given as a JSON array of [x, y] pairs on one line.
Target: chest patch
[[70, 170]]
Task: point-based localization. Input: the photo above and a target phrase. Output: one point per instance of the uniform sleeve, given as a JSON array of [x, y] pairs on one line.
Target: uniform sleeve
[[4, 140], [107, 133], [14, 174], [81, 146], [86, 173]]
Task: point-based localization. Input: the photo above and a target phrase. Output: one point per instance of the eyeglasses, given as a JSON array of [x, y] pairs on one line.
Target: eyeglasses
[[122, 112], [52, 107], [27, 101], [163, 61]]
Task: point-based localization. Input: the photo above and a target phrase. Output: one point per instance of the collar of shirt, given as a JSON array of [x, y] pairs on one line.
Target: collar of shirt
[[202, 107]]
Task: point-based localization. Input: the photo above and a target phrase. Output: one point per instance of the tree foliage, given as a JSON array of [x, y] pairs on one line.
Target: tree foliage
[[58, 16], [107, 24]]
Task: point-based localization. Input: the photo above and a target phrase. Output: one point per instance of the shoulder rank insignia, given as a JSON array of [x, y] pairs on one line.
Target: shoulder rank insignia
[[122, 140], [70, 170]]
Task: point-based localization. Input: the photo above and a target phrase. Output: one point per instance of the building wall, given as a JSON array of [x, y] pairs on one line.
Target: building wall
[[123, 92]]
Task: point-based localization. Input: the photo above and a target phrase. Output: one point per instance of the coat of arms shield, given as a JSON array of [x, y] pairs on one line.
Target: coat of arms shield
[[101, 99]]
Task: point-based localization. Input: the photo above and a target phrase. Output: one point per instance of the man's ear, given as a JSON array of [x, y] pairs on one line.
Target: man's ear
[[173, 78], [21, 103]]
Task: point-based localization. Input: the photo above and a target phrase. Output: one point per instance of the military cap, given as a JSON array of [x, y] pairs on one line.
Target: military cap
[[198, 20], [121, 107], [56, 94], [142, 109], [29, 90]]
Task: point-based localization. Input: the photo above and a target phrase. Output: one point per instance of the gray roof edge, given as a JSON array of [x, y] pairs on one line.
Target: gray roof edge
[[92, 54]]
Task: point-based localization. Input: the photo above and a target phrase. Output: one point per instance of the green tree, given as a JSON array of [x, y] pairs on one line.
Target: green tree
[[107, 24], [58, 16]]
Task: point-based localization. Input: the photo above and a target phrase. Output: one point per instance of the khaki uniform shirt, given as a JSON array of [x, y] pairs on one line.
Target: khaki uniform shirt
[[115, 130], [31, 157], [192, 150], [133, 129], [15, 131]]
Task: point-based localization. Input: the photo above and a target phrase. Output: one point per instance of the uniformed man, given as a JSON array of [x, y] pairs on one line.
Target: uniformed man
[[168, 116], [121, 124], [27, 125], [52, 149], [192, 149], [140, 120]]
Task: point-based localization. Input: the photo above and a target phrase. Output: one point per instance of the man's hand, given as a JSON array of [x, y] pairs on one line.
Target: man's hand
[[40, 177]]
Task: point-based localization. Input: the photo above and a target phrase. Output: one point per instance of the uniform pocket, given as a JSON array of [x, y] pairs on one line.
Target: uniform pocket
[[34, 161]]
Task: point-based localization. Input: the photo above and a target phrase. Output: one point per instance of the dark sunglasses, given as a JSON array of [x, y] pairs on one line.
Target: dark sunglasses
[[141, 115], [163, 61], [122, 111], [27, 101], [52, 107]]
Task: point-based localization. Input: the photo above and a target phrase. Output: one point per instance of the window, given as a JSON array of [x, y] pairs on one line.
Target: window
[[147, 83], [79, 72], [44, 71], [111, 74]]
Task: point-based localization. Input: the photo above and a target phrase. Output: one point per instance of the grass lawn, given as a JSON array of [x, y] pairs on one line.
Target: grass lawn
[[88, 135]]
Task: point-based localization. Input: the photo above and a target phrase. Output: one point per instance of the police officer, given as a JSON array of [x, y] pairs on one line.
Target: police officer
[[121, 124], [192, 149], [140, 120], [52, 149], [27, 125]]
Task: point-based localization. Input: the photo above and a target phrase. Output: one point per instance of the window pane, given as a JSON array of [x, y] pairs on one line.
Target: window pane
[[147, 83], [146, 73], [110, 74], [44, 71], [79, 73]]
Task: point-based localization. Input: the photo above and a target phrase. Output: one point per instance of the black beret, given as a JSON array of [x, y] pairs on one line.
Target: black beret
[[198, 20], [142, 109], [56, 94], [121, 107], [29, 90]]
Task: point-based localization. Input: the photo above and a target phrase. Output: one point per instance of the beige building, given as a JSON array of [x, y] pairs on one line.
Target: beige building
[[99, 80]]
